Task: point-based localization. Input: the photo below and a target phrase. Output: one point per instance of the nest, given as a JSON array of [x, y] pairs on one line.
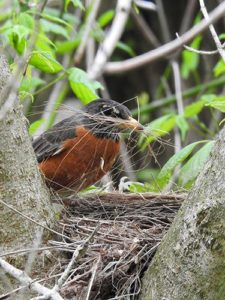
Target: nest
[[118, 235]]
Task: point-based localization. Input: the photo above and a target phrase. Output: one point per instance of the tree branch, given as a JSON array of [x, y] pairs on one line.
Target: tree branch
[[154, 55], [109, 44], [88, 28], [212, 30], [23, 278]]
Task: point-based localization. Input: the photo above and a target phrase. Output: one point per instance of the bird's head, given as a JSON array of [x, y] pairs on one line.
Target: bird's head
[[112, 115]]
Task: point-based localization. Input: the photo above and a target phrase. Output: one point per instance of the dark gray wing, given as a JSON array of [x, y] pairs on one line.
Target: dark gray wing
[[51, 141]]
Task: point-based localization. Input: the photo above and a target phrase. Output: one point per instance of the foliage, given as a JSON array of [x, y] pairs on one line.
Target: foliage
[[57, 34]]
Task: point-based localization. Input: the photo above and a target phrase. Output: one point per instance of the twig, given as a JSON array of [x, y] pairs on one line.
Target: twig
[[121, 199], [201, 52], [171, 47], [32, 220], [163, 21], [188, 16], [145, 29], [112, 37], [88, 27], [178, 88], [212, 30], [58, 87], [23, 278], [94, 270], [145, 5], [50, 106], [28, 250], [180, 110], [130, 230], [126, 161], [90, 47], [186, 94], [7, 295], [80, 249], [33, 254]]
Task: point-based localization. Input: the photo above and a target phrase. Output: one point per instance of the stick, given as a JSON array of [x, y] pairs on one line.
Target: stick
[[113, 36], [212, 30], [94, 270], [75, 256], [166, 49], [24, 279], [88, 28]]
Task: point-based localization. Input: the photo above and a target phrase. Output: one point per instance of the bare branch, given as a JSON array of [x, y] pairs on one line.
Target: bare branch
[[80, 249], [32, 220], [171, 47], [105, 50], [88, 28], [94, 270], [163, 21], [188, 16], [212, 30], [23, 278], [145, 5], [201, 52], [145, 29]]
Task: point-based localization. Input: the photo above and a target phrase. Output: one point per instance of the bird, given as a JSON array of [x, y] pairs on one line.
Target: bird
[[78, 151]]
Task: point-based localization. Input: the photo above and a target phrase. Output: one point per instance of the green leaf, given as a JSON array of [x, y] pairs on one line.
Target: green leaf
[[190, 59], [166, 172], [76, 3], [219, 68], [208, 98], [23, 95], [52, 16], [45, 62], [193, 109], [105, 18], [30, 84], [191, 169], [26, 20], [147, 174], [5, 15], [137, 187], [222, 36], [68, 46], [126, 48], [218, 103], [157, 128], [43, 43], [182, 125], [82, 86], [17, 36], [49, 26], [35, 125]]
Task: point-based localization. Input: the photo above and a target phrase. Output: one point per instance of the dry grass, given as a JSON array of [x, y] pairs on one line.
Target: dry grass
[[128, 229]]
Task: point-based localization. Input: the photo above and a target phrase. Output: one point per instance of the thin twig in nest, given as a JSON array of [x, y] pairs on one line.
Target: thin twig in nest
[[131, 227]]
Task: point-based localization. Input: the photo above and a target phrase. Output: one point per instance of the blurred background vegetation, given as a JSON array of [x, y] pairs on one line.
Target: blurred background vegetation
[[179, 98]]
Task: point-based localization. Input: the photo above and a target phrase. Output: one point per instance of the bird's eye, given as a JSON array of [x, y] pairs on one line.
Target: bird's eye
[[110, 111]]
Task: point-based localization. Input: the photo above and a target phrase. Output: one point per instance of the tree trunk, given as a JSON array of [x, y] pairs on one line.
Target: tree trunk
[[190, 262], [21, 185]]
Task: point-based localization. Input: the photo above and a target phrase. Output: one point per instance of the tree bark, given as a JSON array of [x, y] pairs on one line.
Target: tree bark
[[21, 185], [190, 262]]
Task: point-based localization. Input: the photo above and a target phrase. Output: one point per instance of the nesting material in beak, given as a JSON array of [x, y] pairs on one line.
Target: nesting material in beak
[[132, 124]]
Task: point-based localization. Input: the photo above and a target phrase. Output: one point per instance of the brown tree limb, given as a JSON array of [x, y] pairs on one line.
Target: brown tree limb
[[167, 49]]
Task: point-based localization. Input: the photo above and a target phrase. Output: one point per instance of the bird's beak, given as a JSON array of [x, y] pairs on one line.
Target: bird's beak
[[132, 124]]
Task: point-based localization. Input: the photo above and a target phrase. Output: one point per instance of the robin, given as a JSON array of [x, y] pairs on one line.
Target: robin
[[78, 151]]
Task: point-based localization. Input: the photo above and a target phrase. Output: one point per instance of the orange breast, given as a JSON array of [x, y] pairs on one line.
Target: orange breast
[[84, 160]]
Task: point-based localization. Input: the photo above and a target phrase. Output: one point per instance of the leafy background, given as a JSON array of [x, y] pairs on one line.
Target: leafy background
[[176, 144]]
